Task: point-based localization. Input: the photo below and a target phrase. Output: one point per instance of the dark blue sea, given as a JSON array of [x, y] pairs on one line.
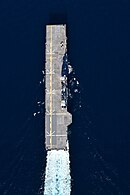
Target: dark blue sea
[[99, 50]]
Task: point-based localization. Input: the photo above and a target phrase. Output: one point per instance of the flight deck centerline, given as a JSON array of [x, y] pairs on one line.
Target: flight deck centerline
[[51, 88], [57, 118]]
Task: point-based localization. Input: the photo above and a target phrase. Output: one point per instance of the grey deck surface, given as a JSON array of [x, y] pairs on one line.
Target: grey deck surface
[[56, 118]]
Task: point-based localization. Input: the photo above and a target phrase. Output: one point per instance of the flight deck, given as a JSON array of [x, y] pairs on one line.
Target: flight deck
[[57, 118]]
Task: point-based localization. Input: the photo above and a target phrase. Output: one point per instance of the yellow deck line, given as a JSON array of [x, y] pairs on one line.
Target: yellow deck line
[[51, 86]]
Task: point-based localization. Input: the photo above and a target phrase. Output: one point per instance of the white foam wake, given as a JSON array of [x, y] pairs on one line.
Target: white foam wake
[[57, 177]]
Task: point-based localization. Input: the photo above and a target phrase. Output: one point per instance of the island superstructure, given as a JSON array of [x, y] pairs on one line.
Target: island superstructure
[[57, 118]]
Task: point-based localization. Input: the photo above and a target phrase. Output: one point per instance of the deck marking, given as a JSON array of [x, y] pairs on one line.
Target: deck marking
[[51, 87]]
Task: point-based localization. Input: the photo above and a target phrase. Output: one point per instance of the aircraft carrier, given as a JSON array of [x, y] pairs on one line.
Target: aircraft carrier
[[57, 118]]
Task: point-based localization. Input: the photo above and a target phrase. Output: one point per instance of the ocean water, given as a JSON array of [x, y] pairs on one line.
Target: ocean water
[[99, 51]]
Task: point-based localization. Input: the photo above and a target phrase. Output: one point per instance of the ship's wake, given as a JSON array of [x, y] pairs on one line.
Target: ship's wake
[[57, 176]]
